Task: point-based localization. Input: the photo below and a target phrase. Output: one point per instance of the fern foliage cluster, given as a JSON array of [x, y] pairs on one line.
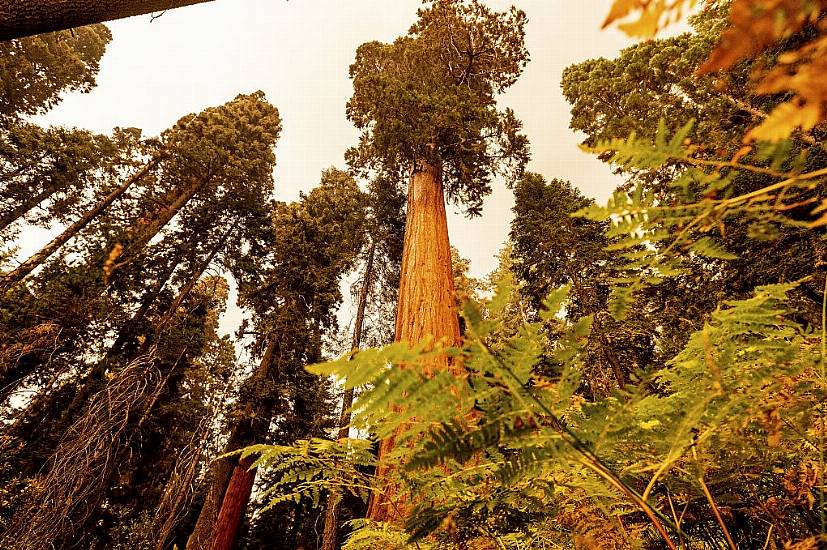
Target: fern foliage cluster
[[654, 234], [505, 452]]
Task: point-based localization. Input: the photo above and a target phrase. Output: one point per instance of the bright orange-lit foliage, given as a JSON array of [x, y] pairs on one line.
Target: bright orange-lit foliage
[[754, 27]]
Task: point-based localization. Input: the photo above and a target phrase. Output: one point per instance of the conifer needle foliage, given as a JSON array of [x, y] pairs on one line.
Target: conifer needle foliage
[[717, 443]]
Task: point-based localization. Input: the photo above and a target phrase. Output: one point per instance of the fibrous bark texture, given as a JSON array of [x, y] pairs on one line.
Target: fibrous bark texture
[[19, 18], [426, 297]]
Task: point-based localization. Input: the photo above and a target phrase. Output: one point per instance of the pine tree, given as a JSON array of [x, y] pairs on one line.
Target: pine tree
[[35, 71], [53, 168]]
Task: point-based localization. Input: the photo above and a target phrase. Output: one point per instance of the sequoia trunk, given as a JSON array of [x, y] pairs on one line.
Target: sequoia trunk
[[22, 18], [211, 527], [426, 297]]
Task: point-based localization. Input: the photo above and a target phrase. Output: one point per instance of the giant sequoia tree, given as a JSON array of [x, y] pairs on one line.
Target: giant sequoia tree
[[426, 108]]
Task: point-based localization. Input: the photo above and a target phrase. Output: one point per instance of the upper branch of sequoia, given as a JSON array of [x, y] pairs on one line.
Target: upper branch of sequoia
[[431, 96]]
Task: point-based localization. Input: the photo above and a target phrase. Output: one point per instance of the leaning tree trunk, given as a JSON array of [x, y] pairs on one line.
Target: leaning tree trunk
[[54, 519], [426, 299], [39, 257], [147, 229], [19, 18], [330, 524], [140, 236], [128, 332], [240, 485], [252, 427]]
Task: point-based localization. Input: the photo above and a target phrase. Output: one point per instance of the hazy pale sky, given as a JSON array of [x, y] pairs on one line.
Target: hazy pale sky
[[298, 52]]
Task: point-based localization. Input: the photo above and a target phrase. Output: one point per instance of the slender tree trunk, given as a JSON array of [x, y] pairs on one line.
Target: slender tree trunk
[[240, 485], [96, 376], [330, 524], [19, 18], [253, 426], [20, 210], [193, 280], [205, 533], [39, 257], [201, 537], [426, 298], [147, 229], [129, 329]]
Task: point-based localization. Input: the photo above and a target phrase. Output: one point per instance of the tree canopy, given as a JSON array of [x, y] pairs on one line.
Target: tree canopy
[[182, 365], [430, 96]]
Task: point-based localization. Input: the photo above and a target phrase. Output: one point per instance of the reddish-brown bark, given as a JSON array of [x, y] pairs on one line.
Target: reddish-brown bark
[[234, 505], [212, 517], [426, 298]]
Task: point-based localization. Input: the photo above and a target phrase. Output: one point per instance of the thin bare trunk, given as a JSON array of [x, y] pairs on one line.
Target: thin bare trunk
[[330, 524], [147, 229], [19, 18], [130, 327], [39, 257], [426, 299], [200, 269]]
